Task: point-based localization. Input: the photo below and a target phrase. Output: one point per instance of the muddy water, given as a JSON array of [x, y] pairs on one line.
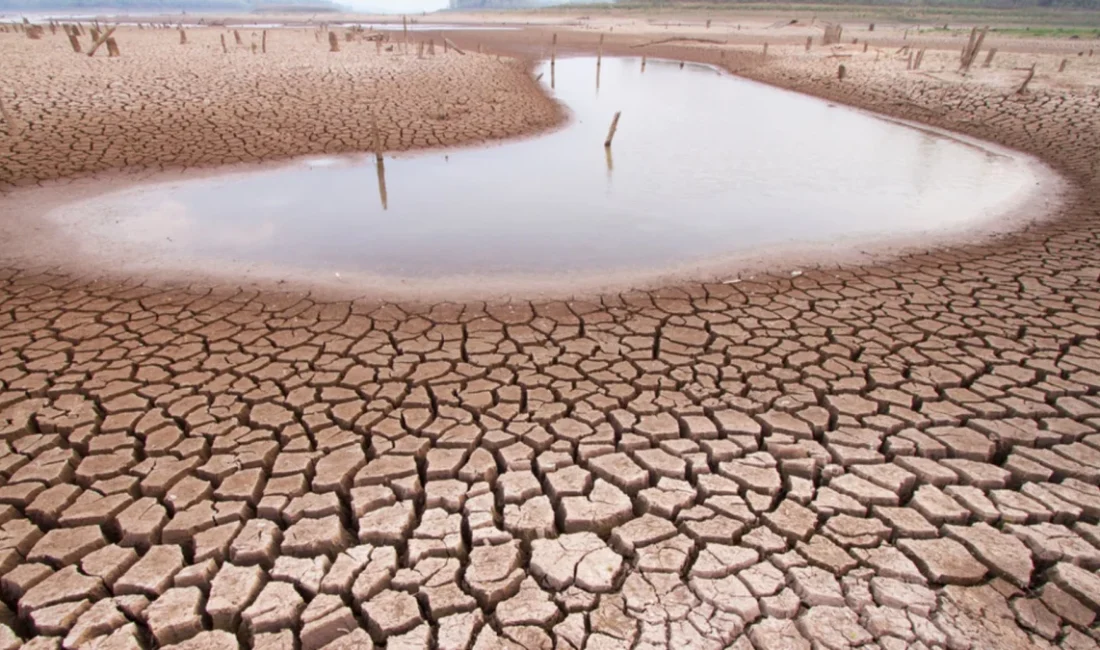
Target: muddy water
[[704, 166]]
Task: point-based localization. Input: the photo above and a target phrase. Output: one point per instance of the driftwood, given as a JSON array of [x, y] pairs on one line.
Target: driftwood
[[101, 40], [680, 40]]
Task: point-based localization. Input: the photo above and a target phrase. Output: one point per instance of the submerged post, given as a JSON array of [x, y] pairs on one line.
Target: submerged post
[[611, 131], [380, 167]]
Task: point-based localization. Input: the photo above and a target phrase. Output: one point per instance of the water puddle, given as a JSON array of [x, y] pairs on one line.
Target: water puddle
[[704, 167]]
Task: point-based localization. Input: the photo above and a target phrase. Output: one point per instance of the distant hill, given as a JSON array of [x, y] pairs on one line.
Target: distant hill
[[166, 6]]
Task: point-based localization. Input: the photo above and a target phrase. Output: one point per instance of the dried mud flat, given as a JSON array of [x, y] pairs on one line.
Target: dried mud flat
[[892, 456], [163, 105]]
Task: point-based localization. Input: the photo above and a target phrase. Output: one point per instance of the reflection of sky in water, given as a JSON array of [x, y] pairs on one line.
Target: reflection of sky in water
[[703, 166]]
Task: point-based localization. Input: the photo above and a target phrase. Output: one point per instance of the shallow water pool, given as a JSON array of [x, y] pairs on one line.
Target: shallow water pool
[[704, 166]]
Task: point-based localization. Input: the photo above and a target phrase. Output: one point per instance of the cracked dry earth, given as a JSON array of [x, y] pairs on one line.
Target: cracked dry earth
[[164, 105], [882, 457]]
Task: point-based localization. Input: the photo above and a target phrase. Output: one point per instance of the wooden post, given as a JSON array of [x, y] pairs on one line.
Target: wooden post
[[94, 33], [376, 137], [99, 41], [183, 37], [237, 37], [643, 63], [765, 49], [420, 50], [479, 48], [1023, 87], [864, 46], [225, 50], [453, 46], [12, 127], [871, 28], [809, 42], [380, 168], [1062, 67], [263, 47], [74, 40], [446, 46], [989, 57], [112, 47], [841, 72], [708, 23], [377, 46], [333, 42], [614, 127], [599, 53], [405, 29], [431, 47], [909, 62]]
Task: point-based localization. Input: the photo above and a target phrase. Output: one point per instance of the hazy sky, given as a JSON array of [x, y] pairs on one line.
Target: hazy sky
[[396, 6]]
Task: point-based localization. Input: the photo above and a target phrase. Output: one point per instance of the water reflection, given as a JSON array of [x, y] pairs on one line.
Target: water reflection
[[380, 168], [703, 166]]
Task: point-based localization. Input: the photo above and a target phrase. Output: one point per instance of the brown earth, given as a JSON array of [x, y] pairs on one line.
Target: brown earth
[[903, 455], [166, 105]]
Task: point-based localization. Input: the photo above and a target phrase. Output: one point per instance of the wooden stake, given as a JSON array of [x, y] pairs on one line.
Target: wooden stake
[[380, 168], [12, 128], [420, 50], [405, 29], [841, 72], [101, 40], [1023, 87], [225, 50], [183, 37], [864, 46], [989, 57], [74, 40], [333, 42], [643, 63], [599, 53], [553, 49], [1062, 67], [765, 49], [453, 46], [263, 47], [809, 42], [112, 47], [237, 37], [377, 138], [431, 47], [611, 131]]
